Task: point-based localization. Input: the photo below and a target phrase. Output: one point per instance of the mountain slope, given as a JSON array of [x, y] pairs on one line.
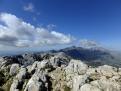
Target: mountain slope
[[94, 56]]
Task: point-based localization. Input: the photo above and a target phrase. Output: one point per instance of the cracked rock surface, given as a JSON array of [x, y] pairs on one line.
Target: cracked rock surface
[[55, 72]]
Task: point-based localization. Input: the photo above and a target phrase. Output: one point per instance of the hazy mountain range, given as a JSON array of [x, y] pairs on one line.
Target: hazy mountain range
[[94, 56]]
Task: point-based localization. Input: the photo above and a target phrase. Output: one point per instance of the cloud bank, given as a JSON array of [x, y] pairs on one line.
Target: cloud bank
[[17, 33]]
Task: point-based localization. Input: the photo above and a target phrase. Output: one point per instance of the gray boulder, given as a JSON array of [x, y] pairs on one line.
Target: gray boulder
[[107, 71], [14, 69], [78, 81], [22, 74], [89, 87], [76, 67], [37, 82]]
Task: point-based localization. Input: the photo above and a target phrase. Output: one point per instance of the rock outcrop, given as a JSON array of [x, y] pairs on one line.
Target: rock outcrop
[[55, 72]]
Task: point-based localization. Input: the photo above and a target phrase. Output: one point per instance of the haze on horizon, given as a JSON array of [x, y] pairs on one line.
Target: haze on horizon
[[45, 24]]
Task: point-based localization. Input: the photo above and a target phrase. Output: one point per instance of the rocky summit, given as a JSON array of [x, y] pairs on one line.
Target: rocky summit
[[55, 72]]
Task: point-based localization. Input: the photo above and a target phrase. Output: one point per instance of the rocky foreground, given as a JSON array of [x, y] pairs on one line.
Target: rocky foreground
[[55, 72]]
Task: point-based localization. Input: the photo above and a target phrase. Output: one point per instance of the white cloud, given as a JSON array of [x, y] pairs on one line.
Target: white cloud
[[51, 26], [17, 33], [29, 7], [88, 43]]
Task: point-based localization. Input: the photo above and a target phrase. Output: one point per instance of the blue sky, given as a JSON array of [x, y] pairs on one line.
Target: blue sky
[[98, 20]]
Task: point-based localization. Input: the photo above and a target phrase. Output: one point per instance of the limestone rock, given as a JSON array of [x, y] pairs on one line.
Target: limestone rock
[[14, 86], [76, 67], [37, 82], [88, 87], [78, 81], [56, 72], [108, 71], [34, 86], [22, 74], [107, 85], [14, 69]]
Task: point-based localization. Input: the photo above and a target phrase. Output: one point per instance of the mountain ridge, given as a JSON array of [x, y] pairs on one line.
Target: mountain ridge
[[55, 72]]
